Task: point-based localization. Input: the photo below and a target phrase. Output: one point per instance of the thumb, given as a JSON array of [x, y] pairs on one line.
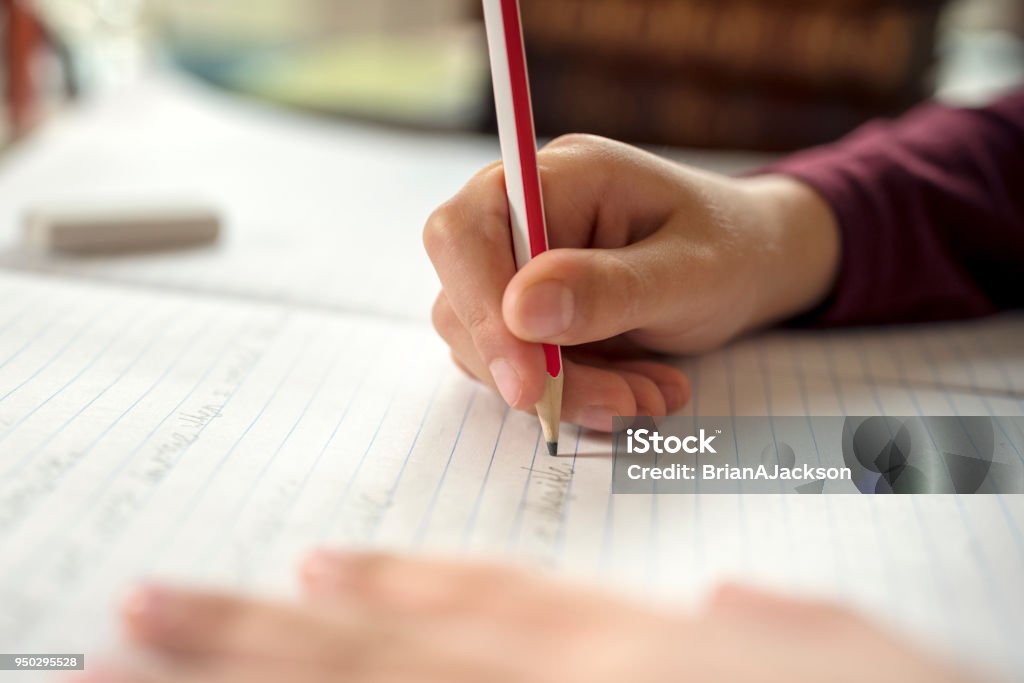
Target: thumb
[[575, 296]]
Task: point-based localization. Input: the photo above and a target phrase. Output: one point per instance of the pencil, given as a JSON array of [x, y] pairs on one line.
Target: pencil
[[522, 180]]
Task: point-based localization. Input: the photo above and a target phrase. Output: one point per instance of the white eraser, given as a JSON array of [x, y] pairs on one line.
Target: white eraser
[[106, 228]]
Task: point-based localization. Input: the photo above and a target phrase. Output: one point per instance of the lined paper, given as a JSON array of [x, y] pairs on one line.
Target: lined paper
[[214, 442]]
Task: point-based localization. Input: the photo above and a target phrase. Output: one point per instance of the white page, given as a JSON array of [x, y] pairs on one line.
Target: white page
[[214, 442]]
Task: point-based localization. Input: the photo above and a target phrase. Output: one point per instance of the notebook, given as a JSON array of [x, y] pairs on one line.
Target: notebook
[[214, 441]]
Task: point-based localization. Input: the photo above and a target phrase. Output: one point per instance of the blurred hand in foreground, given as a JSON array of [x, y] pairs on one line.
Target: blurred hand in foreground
[[368, 617]]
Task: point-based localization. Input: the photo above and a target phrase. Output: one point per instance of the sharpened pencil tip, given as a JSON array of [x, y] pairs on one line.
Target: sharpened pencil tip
[[552, 447]]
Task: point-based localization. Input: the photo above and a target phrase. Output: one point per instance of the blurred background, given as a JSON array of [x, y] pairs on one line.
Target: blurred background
[[726, 74]]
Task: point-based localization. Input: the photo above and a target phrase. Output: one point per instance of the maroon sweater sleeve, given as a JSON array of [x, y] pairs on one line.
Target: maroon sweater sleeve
[[931, 213]]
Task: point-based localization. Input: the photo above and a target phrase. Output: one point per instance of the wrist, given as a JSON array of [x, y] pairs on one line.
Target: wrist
[[799, 261]]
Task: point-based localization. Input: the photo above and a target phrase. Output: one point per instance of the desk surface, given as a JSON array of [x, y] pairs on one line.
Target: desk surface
[[289, 186]]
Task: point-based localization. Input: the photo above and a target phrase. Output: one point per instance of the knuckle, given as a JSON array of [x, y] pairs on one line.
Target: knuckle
[[633, 283], [477, 322], [576, 141], [443, 316], [442, 230]]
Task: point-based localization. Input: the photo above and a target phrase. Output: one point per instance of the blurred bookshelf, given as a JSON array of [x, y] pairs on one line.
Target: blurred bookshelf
[[767, 75], [770, 75], [419, 64]]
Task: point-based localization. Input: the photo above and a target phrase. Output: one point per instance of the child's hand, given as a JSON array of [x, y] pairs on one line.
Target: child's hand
[[382, 618], [650, 254]]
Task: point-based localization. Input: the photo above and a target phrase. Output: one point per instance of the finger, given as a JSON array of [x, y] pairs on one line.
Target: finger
[[758, 604], [586, 202], [575, 296], [593, 395], [671, 382], [646, 395], [200, 623], [468, 242], [463, 349], [499, 596], [435, 595], [409, 584], [463, 352]]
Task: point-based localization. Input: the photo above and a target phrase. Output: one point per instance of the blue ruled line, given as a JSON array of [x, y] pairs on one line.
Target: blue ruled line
[[60, 352], [119, 334], [405, 461], [998, 606], [121, 375], [346, 491], [288, 511], [88, 449], [515, 532], [559, 548], [417, 538], [232, 522], [67, 529], [470, 527]]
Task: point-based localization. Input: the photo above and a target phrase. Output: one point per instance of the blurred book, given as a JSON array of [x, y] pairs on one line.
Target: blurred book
[[419, 64], [429, 78]]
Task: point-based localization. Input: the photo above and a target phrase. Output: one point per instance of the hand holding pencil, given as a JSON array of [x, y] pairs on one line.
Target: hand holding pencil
[[645, 257]]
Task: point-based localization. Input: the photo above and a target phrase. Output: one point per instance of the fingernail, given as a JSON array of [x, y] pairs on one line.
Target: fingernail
[[673, 395], [507, 380], [597, 417], [546, 309]]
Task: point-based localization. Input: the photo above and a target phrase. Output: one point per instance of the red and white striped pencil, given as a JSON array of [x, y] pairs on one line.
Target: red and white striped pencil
[[522, 180]]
